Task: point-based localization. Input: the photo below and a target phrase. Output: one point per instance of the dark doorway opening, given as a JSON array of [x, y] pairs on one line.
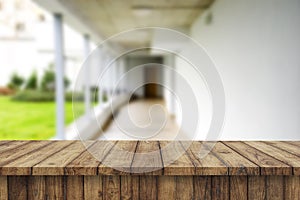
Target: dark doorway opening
[[152, 91]]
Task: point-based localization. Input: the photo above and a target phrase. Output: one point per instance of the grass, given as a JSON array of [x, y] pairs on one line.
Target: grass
[[30, 121]]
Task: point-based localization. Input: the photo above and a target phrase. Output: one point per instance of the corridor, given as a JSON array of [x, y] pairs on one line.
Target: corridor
[[146, 119]]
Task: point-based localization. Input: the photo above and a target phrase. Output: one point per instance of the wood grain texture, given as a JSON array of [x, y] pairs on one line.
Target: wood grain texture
[[147, 158], [288, 158], [111, 187], [130, 187], [166, 187], [257, 187], [93, 187], [274, 187], [55, 187], [17, 153], [220, 187], [8, 146], [87, 162], [237, 164], [148, 187], [36, 187], [22, 165], [292, 187], [268, 165], [3, 187], [238, 187], [208, 165], [129, 157], [285, 146], [174, 157], [184, 187], [55, 164], [119, 158], [17, 187], [202, 187], [74, 187]]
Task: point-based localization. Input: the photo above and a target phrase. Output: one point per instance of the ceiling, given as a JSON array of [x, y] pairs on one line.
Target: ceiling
[[110, 17]]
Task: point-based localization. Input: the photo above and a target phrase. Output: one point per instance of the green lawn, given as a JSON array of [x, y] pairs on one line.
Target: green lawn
[[25, 120]]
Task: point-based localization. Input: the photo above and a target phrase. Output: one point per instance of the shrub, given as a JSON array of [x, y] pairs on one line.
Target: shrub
[[15, 82], [45, 96], [32, 82], [48, 80], [34, 96]]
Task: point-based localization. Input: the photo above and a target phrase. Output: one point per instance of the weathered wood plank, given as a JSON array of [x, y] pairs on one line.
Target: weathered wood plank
[[8, 146], [55, 187], [208, 165], [274, 187], [268, 165], [74, 187], [292, 186], [111, 187], [184, 187], [130, 187], [166, 187], [256, 187], [147, 159], [238, 187], [2, 142], [18, 152], [279, 154], [148, 187], [36, 187], [22, 165], [220, 187], [237, 164], [3, 187], [55, 164], [202, 187], [285, 146], [118, 159], [296, 143], [87, 162], [124, 157], [174, 165], [17, 187], [93, 187], [175, 187]]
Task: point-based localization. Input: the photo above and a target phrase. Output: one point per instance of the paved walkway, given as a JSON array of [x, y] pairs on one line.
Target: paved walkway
[[140, 120]]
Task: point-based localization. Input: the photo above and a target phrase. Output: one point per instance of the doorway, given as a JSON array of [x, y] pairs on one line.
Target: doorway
[[152, 89]]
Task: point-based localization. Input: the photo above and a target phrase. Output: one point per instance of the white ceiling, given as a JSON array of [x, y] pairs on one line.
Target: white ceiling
[[109, 17]]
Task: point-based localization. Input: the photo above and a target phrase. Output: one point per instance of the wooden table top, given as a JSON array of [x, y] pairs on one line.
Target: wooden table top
[[72, 158]]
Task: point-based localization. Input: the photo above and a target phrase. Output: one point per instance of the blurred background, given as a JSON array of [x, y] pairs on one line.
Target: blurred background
[[27, 72], [255, 46]]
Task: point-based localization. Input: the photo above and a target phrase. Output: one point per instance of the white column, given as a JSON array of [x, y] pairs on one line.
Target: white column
[[59, 77], [87, 89], [116, 76], [112, 75], [101, 65]]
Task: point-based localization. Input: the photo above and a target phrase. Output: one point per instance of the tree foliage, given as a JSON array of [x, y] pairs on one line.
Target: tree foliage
[[16, 81], [32, 82]]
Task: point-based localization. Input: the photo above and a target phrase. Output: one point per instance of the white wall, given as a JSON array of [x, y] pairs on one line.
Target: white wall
[[256, 47]]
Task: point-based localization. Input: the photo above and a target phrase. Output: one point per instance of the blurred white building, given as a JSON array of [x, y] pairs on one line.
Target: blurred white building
[[27, 42]]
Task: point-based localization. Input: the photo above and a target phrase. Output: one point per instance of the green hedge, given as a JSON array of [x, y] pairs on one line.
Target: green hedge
[[46, 96], [33, 96]]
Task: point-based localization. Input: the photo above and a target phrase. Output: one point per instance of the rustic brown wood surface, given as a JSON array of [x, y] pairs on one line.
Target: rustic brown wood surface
[[68, 170], [73, 158], [150, 187]]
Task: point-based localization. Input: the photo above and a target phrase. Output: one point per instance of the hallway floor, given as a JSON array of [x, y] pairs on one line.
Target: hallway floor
[[146, 119]]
